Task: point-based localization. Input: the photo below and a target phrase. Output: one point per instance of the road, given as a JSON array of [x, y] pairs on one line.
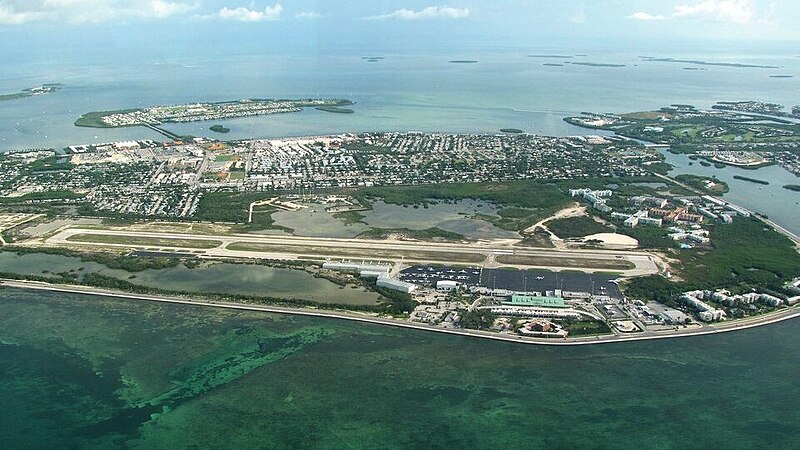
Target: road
[[723, 327], [415, 252]]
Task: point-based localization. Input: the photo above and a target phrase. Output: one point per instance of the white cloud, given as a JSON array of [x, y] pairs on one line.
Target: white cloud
[[162, 9], [739, 11], [640, 15], [431, 12], [736, 11], [15, 12], [10, 16], [308, 15], [243, 14]]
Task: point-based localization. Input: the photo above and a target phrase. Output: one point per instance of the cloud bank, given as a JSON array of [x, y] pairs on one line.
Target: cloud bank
[[431, 12], [17, 12], [243, 14], [736, 11]]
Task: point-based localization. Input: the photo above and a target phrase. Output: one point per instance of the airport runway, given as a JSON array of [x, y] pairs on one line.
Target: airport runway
[[484, 254]]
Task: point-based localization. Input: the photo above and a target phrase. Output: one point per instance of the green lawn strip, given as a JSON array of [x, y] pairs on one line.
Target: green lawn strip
[[557, 261], [144, 241]]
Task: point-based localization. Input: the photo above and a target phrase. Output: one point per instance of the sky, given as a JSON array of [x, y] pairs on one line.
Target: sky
[[42, 26]]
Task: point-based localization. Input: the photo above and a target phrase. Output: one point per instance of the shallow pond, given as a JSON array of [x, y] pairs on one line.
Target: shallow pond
[[242, 279]]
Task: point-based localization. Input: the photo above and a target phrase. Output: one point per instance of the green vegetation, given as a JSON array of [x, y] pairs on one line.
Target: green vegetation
[[394, 303], [587, 328], [745, 254], [565, 261], [30, 92], [478, 319], [792, 187], [703, 184], [397, 303], [51, 163], [349, 217], [132, 240], [572, 227], [649, 237], [95, 119], [46, 196], [230, 207], [219, 129], [752, 180], [660, 167], [123, 262], [687, 129]]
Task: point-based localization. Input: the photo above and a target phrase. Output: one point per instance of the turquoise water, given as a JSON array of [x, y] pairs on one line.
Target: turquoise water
[[88, 372], [402, 92], [405, 91]]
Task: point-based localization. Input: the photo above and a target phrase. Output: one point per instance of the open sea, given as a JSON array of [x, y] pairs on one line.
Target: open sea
[[88, 372], [403, 92], [91, 372]]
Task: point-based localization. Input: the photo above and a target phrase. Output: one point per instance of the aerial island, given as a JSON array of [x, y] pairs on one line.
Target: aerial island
[[558, 240], [44, 89], [157, 115]]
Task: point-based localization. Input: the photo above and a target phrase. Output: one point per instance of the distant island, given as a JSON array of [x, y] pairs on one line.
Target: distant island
[[511, 130], [154, 116], [48, 88], [335, 109], [551, 56], [372, 58], [781, 76], [751, 180], [553, 65], [706, 63], [792, 187], [694, 68], [591, 64], [463, 61], [219, 129]]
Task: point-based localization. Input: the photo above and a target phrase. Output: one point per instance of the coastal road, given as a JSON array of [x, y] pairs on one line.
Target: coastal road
[[495, 253], [723, 327]]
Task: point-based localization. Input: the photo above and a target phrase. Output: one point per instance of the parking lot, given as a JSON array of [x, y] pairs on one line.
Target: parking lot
[[515, 280]]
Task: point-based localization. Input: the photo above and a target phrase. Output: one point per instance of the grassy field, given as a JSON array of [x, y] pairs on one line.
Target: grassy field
[[143, 241], [558, 261], [429, 255]]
